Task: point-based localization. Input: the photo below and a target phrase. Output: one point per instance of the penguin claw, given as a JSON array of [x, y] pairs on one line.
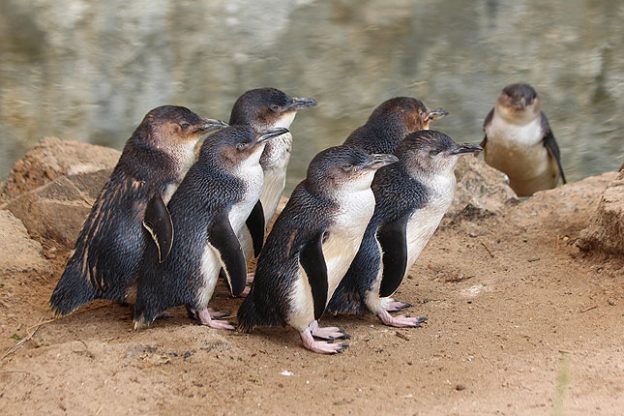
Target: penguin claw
[[395, 306], [330, 333], [401, 321]]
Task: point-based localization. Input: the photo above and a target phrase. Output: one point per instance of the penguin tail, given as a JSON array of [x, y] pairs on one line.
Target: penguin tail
[[73, 290], [248, 316]]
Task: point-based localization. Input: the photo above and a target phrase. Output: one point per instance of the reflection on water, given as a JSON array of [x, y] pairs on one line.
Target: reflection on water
[[89, 71]]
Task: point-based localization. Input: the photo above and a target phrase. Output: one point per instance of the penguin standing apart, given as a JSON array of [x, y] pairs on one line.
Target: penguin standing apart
[[411, 197], [312, 244], [519, 142], [202, 218], [111, 243], [265, 108]]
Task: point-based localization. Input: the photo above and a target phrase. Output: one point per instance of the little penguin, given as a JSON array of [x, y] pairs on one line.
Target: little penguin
[[390, 122], [110, 245], [520, 143], [202, 219], [311, 246], [411, 197], [264, 108]]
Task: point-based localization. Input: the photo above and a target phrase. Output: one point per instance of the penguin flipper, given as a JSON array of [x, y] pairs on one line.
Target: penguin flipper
[[157, 222], [392, 238], [222, 238], [313, 262], [255, 224], [551, 145]]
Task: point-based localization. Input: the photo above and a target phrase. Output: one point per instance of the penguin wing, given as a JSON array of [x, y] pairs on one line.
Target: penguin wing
[[157, 222], [222, 238], [392, 238], [486, 122], [551, 145], [255, 224], [313, 262]]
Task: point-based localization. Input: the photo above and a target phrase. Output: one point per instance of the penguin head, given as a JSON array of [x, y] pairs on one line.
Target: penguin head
[[170, 125], [409, 113], [344, 168], [431, 152], [518, 102], [264, 108], [236, 145]]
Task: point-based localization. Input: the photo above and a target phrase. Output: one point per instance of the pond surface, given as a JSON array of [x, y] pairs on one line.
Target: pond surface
[[89, 71]]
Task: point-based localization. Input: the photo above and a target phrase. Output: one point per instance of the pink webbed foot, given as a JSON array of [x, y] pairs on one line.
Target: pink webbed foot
[[328, 333], [205, 319], [320, 347], [250, 277], [395, 305], [245, 292], [401, 321]]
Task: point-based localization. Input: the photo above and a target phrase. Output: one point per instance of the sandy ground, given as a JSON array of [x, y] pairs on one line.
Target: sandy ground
[[520, 323]]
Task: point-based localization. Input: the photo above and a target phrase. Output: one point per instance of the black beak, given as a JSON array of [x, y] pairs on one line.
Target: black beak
[[298, 103], [212, 124], [270, 134], [378, 161], [436, 114], [466, 148]]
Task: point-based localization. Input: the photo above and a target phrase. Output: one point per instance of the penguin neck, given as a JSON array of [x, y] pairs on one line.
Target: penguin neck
[[440, 180], [389, 133]]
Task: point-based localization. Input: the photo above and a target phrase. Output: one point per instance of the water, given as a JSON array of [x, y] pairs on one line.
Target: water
[[89, 71]]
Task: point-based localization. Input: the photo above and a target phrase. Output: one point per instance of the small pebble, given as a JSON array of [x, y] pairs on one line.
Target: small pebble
[[611, 302], [460, 387]]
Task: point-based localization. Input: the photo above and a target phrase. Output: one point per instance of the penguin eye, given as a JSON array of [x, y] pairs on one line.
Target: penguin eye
[[275, 108], [348, 168], [240, 146], [434, 152], [184, 125]]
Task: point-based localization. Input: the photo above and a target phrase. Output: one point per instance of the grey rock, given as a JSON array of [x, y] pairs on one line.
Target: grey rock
[[19, 252], [58, 209], [52, 158], [605, 231]]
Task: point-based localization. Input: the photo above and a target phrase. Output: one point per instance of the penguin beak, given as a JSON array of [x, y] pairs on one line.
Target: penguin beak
[[466, 148], [378, 161], [298, 103], [212, 124], [270, 134], [436, 114]]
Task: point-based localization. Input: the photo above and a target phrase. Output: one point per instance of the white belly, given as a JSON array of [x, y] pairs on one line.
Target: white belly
[[517, 150], [424, 222], [339, 250], [209, 269], [274, 184]]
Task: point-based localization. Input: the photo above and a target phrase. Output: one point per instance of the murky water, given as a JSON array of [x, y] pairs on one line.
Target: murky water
[[86, 70]]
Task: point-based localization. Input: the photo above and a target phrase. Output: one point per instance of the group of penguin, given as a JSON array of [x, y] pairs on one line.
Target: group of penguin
[[168, 223]]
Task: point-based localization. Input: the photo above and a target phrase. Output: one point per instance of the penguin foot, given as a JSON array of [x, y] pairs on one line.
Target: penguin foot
[[245, 292], [204, 317], [321, 347], [214, 314], [401, 321], [328, 333], [395, 305], [250, 277]]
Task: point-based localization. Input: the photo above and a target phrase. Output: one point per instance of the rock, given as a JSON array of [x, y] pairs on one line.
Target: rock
[[19, 252], [53, 157], [57, 210], [481, 191], [605, 231]]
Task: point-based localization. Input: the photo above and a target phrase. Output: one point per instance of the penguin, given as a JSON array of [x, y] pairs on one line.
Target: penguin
[[110, 245], [390, 122], [520, 143], [202, 218], [264, 108], [411, 197], [311, 246]]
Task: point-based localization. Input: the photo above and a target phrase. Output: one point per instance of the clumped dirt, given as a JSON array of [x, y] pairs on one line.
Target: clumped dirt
[[520, 323]]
